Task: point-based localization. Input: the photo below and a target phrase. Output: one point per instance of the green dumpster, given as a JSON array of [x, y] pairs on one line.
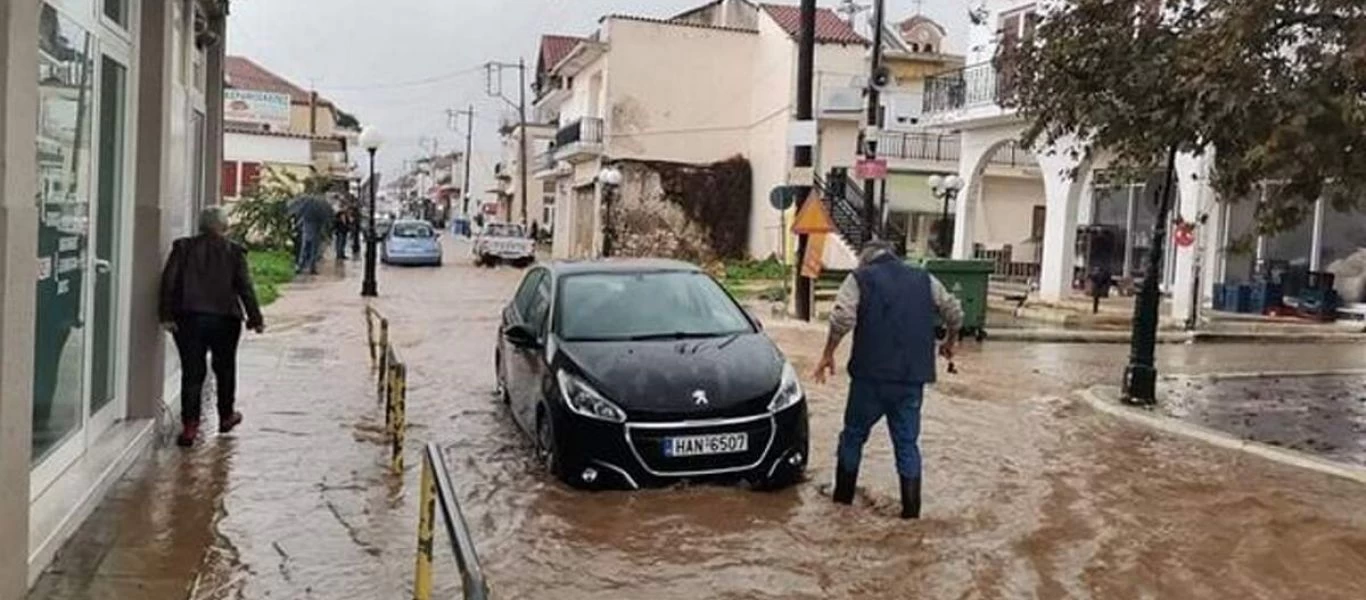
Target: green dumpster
[[966, 279]]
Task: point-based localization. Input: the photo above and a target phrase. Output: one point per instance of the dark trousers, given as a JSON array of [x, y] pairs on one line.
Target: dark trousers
[[195, 336], [339, 242], [869, 402]]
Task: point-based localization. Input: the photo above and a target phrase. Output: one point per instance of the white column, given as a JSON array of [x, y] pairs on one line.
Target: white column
[[1316, 246], [964, 211], [1193, 193], [1062, 195]]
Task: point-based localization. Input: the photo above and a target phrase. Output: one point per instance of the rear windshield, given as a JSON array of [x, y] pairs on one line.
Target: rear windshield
[[625, 306], [413, 230], [503, 230]]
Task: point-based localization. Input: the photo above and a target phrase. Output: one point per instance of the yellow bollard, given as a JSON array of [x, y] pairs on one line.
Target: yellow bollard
[[426, 521], [383, 359], [399, 391]]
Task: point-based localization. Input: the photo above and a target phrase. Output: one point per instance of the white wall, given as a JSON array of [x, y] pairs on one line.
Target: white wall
[[246, 147], [1006, 214], [678, 93]]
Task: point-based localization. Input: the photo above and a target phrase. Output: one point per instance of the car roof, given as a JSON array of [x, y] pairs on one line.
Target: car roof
[[412, 222], [620, 265]]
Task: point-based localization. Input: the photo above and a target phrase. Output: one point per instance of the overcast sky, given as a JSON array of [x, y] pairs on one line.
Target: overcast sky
[[369, 56]]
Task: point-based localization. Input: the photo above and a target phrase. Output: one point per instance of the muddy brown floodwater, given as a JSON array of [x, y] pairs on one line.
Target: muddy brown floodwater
[[1027, 494]]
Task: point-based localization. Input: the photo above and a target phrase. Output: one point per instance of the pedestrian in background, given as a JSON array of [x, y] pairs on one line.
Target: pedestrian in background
[[341, 232], [890, 306], [314, 215], [206, 290]]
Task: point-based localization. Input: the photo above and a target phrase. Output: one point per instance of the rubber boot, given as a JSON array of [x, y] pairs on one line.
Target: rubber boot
[[910, 498], [845, 480]]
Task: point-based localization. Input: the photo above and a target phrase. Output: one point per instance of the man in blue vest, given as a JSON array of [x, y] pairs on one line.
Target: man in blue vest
[[890, 306]]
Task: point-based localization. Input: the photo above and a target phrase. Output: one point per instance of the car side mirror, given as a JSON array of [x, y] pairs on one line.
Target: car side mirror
[[521, 336]]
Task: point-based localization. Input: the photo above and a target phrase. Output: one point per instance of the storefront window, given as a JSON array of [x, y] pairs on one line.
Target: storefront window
[[108, 223], [1344, 234], [63, 148]]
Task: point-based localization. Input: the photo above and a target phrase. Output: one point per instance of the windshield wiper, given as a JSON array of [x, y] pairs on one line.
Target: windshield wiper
[[676, 335]]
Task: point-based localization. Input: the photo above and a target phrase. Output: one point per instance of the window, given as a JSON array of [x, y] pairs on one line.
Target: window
[[230, 178], [526, 294], [644, 305], [117, 11], [413, 230], [1036, 223], [539, 310], [251, 175], [1018, 25]]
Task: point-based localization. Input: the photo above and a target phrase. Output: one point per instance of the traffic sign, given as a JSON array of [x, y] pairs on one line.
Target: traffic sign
[[783, 196], [871, 168], [812, 218]]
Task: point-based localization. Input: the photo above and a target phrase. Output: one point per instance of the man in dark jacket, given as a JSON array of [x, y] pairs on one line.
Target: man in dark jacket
[[891, 307], [206, 290]]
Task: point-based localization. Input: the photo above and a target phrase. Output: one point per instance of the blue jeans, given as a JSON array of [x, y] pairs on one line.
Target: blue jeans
[[868, 402], [339, 239], [308, 254]]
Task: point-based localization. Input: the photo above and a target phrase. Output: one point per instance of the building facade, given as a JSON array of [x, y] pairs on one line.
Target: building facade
[[272, 123], [707, 85], [112, 128], [1087, 219]]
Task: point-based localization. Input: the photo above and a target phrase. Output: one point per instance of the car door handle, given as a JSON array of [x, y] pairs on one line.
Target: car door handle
[[103, 266]]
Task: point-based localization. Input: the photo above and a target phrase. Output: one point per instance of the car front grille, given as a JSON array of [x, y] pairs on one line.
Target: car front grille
[[647, 442]]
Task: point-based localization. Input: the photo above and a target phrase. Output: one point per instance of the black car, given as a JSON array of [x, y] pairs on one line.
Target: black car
[[637, 373]]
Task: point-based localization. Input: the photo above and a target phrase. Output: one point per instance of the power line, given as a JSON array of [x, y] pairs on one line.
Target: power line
[[401, 84]]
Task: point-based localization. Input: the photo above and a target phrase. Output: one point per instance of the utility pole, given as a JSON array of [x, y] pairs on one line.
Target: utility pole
[[469, 135], [802, 155], [495, 88], [868, 137]]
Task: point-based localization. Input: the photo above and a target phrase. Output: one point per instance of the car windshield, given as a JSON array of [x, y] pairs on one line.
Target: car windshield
[[651, 305], [412, 230], [503, 230]]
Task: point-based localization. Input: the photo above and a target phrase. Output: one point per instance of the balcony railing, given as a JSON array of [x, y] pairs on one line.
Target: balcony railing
[[919, 146], [974, 85], [586, 130], [579, 141]]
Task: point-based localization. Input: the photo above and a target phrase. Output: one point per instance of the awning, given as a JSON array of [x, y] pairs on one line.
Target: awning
[[910, 192]]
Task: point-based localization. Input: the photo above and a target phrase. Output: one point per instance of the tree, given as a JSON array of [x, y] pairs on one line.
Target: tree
[[1275, 88]]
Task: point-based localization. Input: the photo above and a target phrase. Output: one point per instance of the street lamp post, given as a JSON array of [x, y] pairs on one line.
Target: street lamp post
[[945, 188], [370, 139], [610, 177]]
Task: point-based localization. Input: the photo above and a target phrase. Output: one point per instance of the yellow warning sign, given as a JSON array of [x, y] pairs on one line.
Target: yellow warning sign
[[812, 217], [814, 260]]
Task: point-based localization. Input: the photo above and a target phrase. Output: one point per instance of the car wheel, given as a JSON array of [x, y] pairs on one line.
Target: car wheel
[[548, 451], [490, 262], [521, 263]]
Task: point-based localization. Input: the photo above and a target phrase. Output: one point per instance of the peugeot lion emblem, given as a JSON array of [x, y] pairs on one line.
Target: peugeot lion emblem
[[699, 398]]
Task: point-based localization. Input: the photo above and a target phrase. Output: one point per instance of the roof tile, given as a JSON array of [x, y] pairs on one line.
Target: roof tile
[[830, 28], [245, 74], [555, 47]]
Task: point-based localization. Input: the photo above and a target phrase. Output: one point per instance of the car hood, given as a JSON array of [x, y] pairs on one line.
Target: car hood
[[738, 374]]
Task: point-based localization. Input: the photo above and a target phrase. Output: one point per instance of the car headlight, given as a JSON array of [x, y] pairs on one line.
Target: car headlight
[[584, 400], [789, 390]]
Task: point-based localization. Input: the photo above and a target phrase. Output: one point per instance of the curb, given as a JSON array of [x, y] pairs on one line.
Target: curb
[[1271, 375], [1093, 396]]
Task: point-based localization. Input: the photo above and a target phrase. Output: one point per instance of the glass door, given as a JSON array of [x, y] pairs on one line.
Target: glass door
[[108, 266], [65, 88]]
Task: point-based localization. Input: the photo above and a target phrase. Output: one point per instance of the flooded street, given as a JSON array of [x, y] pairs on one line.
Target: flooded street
[[1027, 494]]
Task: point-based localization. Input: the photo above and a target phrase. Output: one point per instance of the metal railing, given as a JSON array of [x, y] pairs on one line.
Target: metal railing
[[391, 384], [437, 491], [937, 147], [973, 85], [587, 130]]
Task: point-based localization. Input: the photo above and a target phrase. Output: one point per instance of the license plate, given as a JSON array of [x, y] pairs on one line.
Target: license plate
[[702, 445]]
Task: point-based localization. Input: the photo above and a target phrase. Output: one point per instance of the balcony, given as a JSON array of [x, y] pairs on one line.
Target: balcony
[[965, 94], [579, 141], [925, 147]]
